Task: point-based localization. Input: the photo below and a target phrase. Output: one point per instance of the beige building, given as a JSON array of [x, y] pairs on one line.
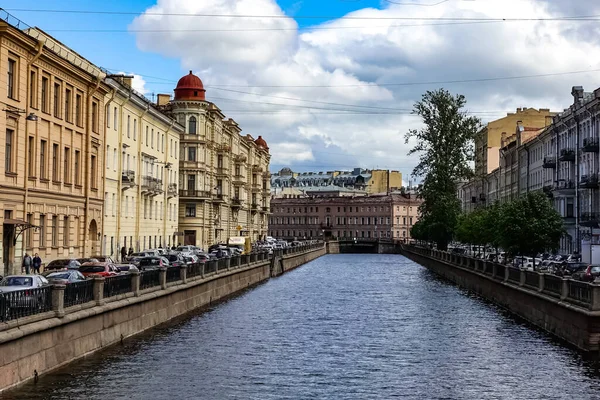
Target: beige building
[[224, 176], [51, 186], [141, 174]]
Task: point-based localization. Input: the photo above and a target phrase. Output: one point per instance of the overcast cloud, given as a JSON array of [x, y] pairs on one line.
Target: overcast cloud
[[329, 136]]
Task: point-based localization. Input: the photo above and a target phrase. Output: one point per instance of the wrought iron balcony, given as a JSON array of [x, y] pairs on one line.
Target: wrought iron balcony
[[236, 202], [127, 179], [222, 171], [589, 181], [564, 188], [196, 194], [172, 190], [567, 155], [589, 216], [218, 198], [590, 145], [147, 184], [549, 162], [264, 209], [157, 187]]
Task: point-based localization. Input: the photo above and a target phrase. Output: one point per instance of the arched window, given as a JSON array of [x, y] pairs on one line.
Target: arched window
[[192, 126]]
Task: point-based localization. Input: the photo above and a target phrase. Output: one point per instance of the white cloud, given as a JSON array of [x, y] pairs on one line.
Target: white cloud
[[381, 50], [138, 83]]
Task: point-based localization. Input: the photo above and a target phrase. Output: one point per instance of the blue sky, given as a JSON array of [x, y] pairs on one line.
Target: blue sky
[[320, 96]]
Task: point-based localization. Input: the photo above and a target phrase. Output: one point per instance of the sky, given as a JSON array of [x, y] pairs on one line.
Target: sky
[[331, 84]]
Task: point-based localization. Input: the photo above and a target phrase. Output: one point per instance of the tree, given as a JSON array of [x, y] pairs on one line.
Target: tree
[[445, 146], [529, 225]]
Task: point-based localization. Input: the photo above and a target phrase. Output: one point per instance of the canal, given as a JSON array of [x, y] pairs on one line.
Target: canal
[[354, 326]]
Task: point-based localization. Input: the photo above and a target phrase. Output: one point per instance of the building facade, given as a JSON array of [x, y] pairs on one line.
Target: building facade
[[51, 186], [142, 170], [224, 176], [343, 217]]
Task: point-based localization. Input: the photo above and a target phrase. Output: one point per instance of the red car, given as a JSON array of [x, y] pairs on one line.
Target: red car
[[104, 269]]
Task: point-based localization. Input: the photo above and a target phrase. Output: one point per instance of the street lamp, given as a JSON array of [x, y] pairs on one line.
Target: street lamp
[[30, 117]]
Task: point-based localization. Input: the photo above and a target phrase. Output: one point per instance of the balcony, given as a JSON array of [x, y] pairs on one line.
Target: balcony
[[195, 165], [190, 138], [218, 198], [172, 190], [239, 180], [256, 188], [222, 172], [236, 202], [195, 194], [564, 188], [222, 148], [589, 219], [157, 187], [589, 181], [264, 210], [257, 168], [147, 184], [590, 145], [127, 179], [549, 162], [254, 207], [567, 155], [239, 158]]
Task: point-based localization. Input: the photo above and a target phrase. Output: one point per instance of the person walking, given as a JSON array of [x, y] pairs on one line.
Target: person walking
[[37, 263], [123, 253], [26, 264]]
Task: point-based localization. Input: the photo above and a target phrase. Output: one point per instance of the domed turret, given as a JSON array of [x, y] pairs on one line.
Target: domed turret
[[190, 87], [260, 142]]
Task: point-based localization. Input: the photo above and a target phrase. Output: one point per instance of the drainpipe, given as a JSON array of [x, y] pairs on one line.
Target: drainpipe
[[106, 113], [92, 88]]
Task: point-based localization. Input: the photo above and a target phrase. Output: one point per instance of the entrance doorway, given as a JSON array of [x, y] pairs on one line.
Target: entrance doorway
[[189, 238], [8, 243]]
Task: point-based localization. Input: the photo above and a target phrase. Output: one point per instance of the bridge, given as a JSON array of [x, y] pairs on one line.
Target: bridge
[[364, 245]]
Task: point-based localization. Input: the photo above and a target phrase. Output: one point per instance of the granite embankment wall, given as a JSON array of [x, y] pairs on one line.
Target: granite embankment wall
[[39, 343], [565, 308]]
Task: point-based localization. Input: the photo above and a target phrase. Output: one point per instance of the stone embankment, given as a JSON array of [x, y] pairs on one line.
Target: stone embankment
[[79, 319]]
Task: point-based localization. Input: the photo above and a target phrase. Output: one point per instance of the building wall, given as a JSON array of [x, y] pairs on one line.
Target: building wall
[[140, 200], [54, 175], [379, 181], [342, 217], [225, 191]]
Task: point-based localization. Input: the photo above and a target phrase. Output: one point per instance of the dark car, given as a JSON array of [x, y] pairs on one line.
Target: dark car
[[175, 260], [589, 274], [108, 259], [65, 277], [573, 268], [87, 259], [147, 263], [62, 264], [127, 267]]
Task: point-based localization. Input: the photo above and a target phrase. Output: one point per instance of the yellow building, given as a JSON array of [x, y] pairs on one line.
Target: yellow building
[[224, 176], [383, 181], [141, 174], [52, 112]]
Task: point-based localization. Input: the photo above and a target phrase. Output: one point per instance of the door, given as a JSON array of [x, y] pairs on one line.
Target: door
[[189, 238]]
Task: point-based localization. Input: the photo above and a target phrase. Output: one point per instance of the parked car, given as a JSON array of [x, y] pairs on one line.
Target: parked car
[[62, 264], [127, 268], [99, 269], [154, 262], [176, 259], [141, 254], [572, 268], [26, 298], [202, 258], [65, 277], [108, 259], [87, 259], [589, 274], [187, 249]]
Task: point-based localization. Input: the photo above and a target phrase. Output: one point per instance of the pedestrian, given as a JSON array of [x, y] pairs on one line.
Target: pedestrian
[[130, 251], [26, 264], [123, 253], [37, 263]]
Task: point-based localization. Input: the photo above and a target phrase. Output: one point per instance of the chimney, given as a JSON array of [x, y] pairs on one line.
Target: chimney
[[577, 93], [163, 99], [502, 139], [520, 129]]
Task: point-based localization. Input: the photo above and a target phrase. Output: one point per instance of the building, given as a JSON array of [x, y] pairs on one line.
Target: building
[[376, 216], [142, 170], [488, 144], [51, 185], [224, 176], [370, 181]]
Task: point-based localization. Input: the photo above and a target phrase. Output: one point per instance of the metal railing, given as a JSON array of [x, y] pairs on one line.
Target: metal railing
[[579, 291], [222, 264], [210, 267], [22, 303], [532, 279], [552, 285], [195, 269], [149, 278], [115, 285], [79, 292], [173, 274]]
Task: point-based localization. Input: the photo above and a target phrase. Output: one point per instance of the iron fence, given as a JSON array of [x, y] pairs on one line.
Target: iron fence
[[245, 258], [211, 266], [514, 275], [500, 272], [532, 279], [579, 291], [115, 285], [552, 285], [22, 303], [235, 261], [149, 278], [79, 292], [195, 270], [173, 274], [222, 264]]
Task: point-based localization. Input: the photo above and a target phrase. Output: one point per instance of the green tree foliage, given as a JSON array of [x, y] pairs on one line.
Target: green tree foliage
[[529, 225], [445, 148]]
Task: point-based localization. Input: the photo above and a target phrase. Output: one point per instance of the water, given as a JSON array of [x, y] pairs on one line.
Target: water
[[341, 327]]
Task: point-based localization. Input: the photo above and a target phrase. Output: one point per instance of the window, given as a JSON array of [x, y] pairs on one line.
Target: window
[[8, 160], [115, 159], [191, 154], [171, 149], [146, 137], [192, 126], [42, 231], [76, 168], [135, 129], [55, 162], [43, 159], [11, 78], [162, 144], [115, 116], [106, 204], [191, 184], [152, 138], [68, 102], [114, 204], [66, 232], [78, 118], [54, 231], [128, 126], [30, 159], [57, 100], [93, 166], [45, 81], [95, 117], [33, 88], [67, 162]]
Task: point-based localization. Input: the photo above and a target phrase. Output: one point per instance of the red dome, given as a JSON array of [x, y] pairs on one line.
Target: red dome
[[260, 142], [190, 87]]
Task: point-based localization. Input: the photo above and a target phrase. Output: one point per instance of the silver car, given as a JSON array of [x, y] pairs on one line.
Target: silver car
[[18, 292]]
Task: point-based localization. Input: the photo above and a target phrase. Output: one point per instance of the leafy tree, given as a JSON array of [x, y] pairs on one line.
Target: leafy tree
[[419, 231], [529, 225], [445, 146]]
